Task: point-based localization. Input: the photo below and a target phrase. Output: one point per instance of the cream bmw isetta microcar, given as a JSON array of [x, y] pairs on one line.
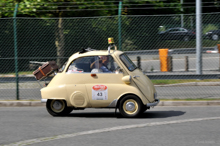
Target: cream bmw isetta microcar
[[99, 79]]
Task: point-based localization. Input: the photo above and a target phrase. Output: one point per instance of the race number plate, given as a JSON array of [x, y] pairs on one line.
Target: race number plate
[[100, 92]]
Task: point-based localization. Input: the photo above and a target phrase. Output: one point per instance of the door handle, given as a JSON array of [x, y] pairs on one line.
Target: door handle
[[93, 75], [135, 76]]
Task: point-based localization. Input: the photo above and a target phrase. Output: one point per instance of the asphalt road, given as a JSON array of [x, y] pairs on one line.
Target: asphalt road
[[190, 92], [171, 51], [182, 126], [210, 62]]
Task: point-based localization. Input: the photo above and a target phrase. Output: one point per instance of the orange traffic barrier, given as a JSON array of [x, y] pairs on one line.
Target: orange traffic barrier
[[163, 53], [218, 48]]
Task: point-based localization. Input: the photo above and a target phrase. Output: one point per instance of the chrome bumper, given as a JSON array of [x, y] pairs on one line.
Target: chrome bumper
[[153, 103], [43, 100]]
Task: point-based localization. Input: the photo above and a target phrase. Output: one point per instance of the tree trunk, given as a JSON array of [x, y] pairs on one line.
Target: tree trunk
[[60, 42]]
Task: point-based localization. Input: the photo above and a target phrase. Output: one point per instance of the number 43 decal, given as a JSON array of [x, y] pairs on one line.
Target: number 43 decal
[[100, 92]]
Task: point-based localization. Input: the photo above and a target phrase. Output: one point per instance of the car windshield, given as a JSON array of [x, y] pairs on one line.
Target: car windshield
[[127, 62]]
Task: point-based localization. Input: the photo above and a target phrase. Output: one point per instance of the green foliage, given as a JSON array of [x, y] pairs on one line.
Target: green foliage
[[52, 8], [162, 28], [128, 45], [60, 37], [151, 7], [165, 82], [209, 27], [75, 8]]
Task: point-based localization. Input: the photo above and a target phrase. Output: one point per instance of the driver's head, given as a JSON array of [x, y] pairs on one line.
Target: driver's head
[[96, 64], [104, 59]]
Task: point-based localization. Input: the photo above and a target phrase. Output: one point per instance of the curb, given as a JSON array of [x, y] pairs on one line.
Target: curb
[[191, 84], [189, 103], [21, 103], [162, 103]]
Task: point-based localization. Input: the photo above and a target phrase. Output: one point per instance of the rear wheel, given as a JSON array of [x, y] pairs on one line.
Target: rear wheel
[[58, 108], [130, 106]]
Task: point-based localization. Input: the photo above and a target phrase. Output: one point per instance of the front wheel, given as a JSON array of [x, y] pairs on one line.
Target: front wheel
[[215, 37], [58, 108], [130, 106], [186, 38]]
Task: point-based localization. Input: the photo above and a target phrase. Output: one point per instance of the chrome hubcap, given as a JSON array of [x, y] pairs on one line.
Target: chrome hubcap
[[57, 105], [215, 37], [186, 38], [130, 106]]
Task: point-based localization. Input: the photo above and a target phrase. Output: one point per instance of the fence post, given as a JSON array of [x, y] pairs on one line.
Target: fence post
[[218, 45], [198, 38], [182, 17], [170, 63], [119, 24], [15, 51], [186, 63], [139, 62]]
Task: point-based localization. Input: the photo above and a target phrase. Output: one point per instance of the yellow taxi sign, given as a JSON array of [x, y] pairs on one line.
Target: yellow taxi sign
[[111, 41]]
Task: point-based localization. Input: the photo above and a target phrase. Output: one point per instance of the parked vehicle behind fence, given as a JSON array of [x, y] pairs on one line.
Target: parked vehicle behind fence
[[177, 33], [213, 35]]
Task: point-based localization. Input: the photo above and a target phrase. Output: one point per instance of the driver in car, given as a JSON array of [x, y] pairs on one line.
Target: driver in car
[[98, 66], [104, 66]]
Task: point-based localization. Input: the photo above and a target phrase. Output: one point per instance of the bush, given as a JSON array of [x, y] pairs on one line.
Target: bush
[[209, 27]]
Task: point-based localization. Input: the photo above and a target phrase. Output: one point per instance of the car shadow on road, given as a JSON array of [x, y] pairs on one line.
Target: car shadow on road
[[147, 114], [161, 114], [95, 115]]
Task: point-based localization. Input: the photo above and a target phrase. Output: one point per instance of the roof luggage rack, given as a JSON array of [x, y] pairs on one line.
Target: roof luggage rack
[[86, 50]]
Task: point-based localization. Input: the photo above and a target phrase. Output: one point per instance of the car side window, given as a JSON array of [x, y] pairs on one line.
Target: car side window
[[183, 30], [127, 62], [104, 64], [81, 65], [93, 64], [173, 30]]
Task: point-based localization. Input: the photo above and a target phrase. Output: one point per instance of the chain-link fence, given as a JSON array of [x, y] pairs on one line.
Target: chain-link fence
[[41, 40]]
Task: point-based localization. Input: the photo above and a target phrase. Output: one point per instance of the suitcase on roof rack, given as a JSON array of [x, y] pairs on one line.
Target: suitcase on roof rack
[[45, 70]]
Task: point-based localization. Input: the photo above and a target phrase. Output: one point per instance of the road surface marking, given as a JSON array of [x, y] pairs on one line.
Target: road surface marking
[[44, 139]]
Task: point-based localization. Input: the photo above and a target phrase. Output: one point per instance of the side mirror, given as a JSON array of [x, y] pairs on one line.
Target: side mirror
[[127, 79]]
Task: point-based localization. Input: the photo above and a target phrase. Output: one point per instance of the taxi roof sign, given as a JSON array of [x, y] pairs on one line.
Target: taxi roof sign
[[111, 41]]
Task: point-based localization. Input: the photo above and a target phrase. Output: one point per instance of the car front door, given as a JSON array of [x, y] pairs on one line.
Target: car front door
[[94, 81], [103, 84], [173, 34], [142, 81]]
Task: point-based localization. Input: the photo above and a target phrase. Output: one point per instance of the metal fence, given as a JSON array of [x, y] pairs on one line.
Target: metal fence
[[40, 40]]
